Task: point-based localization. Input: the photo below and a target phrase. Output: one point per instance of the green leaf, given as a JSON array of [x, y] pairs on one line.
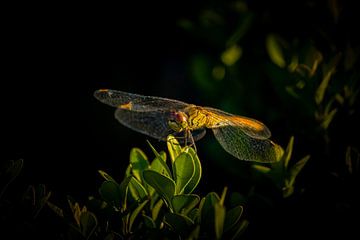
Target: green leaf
[[139, 163], [194, 215], [288, 152], [241, 226], [295, 170], [232, 217], [274, 48], [124, 186], [207, 210], [183, 171], [194, 181], [106, 176], [110, 191], [183, 204], [135, 213], [155, 211], [174, 147], [220, 212], [178, 223], [163, 163], [88, 224], [164, 186], [158, 165], [261, 168], [149, 223], [137, 190], [223, 195]]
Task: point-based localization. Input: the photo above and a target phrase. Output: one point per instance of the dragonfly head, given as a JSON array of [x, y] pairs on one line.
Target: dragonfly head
[[178, 121]]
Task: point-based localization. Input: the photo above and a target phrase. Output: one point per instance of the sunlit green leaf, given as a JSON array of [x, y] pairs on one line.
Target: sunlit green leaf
[[164, 186], [184, 203], [183, 171], [174, 147], [194, 181], [139, 163], [160, 156], [275, 51], [137, 190]]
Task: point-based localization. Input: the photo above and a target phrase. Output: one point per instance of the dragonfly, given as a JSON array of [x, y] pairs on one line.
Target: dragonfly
[[244, 138]]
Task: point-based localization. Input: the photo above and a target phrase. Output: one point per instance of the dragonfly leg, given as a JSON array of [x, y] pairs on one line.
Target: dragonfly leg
[[192, 141]]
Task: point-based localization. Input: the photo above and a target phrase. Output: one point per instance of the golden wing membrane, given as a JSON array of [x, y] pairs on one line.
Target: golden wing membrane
[[234, 140], [249, 126]]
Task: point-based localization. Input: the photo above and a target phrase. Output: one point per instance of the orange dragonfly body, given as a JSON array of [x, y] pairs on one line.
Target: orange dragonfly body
[[242, 137]]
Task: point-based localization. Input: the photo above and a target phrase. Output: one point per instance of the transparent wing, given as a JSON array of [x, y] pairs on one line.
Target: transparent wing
[[249, 126], [137, 102], [240, 145], [151, 123]]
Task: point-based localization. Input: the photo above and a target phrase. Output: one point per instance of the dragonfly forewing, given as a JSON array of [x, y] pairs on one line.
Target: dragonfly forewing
[[136, 102]]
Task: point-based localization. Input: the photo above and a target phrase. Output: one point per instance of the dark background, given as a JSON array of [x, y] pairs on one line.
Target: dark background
[[56, 58]]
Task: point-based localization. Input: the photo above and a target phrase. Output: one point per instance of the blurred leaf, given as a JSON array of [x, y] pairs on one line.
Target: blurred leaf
[[174, 147], [223, 195], [164, 186], [160, 156], [236, 199], [218, 72], [232, 217], [9, 172], [294, 171], [110, 191], [241, 30], [219, 219], [261, 168], [241, 226], [195, 233], [137, 190], [185, 24], [328, 118], [106, 176], [88, 224], [183, 171], [135, 213], [194, 215], [194, 181], [184, 203], [201, 73], [274, 48], [288, 152], [231, 55], [139, 163], [320, 92], [58, 211]]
